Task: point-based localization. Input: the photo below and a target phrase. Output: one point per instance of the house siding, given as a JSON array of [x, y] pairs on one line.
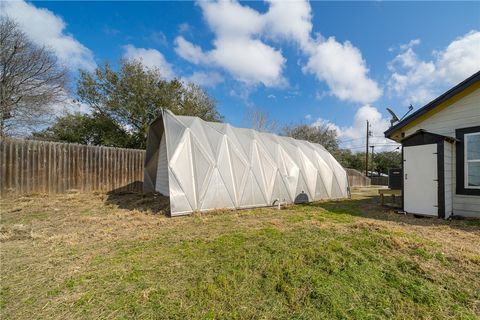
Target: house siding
[[461, 114]]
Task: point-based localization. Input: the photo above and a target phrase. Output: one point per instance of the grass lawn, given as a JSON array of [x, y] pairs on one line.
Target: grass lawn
[[117, 256]]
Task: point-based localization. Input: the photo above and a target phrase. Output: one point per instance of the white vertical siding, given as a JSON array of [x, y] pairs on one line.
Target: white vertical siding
[[463, 113], [162, 169], [448, 172]]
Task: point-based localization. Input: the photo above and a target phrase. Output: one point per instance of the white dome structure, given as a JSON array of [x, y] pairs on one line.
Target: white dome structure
[[207, 165]]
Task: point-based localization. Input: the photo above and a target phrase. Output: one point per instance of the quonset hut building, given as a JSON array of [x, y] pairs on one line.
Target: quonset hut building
[[206, 165]]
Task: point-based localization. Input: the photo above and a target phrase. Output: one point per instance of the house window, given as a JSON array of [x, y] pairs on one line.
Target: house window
[[472, 160], [468, 161]]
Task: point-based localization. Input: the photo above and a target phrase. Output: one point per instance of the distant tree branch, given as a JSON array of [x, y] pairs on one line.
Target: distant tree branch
[[260, 120]]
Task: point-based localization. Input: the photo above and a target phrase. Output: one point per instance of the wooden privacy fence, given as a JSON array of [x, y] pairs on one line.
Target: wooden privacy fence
[[357, 179], [49, 167], [379, 181]]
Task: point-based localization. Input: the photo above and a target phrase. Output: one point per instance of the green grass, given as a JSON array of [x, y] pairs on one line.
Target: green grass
[[333, 260]]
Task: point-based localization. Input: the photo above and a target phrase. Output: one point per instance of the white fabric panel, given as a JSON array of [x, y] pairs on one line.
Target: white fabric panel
[[178, 201], [226, 170], [162, 170], [174, 130], [214, 165], [202, 167], [217, 195], [181, 165]]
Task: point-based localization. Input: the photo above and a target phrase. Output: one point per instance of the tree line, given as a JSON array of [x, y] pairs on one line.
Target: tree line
[[122, 102]]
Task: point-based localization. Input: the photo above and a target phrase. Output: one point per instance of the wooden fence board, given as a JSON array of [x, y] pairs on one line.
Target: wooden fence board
[[3, 157], [357, 179], [28, 166]]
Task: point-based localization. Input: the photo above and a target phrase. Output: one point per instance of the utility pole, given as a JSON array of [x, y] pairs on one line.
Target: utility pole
[[373, 148], [366, 150]]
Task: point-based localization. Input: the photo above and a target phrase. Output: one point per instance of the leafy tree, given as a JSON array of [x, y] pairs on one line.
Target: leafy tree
[[386, 160], [31, 80], [382, 161], [321, 134], [348, 159], [126, 101], [88, 129]]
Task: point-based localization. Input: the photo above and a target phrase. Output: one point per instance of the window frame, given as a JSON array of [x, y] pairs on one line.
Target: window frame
[[466, 161], [462, 187]]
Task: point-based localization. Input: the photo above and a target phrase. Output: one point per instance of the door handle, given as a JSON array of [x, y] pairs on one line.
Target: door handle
[[406, 176]]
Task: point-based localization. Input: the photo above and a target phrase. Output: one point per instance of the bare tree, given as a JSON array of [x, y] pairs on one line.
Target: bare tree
[[260, 120], [31, 80]]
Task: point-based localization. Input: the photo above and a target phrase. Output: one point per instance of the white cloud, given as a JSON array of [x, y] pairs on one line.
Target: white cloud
[[231, 19], [461, 58], [240, 48], [354, 136], [158, 37], [45, 28], [342, 67], [325, 123], [410, 44], [205, 79], [299, 25], [189, 51], [184, 28], [250, 61], [237, 47], [408, 58], [420, 81], [150, 58], [247, 59]]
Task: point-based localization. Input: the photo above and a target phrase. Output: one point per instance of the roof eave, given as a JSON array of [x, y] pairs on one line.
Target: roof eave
[[434, 103]]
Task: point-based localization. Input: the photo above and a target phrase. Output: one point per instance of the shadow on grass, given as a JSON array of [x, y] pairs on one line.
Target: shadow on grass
[[131, 197], [368, 206]]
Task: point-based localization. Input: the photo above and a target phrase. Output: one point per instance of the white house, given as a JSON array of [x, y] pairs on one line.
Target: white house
[[441, 153]]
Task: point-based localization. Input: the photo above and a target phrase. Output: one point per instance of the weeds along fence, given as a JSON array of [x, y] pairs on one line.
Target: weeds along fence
[[30, 166]]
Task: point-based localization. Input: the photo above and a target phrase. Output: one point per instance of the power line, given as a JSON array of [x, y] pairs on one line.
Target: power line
[[376, 145], [343, 141], [350, 140]]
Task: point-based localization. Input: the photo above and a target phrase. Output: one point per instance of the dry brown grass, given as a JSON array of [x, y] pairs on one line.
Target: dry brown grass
[[51, 247]]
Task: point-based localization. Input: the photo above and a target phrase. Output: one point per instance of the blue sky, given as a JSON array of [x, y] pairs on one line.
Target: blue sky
[[337, 63]]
